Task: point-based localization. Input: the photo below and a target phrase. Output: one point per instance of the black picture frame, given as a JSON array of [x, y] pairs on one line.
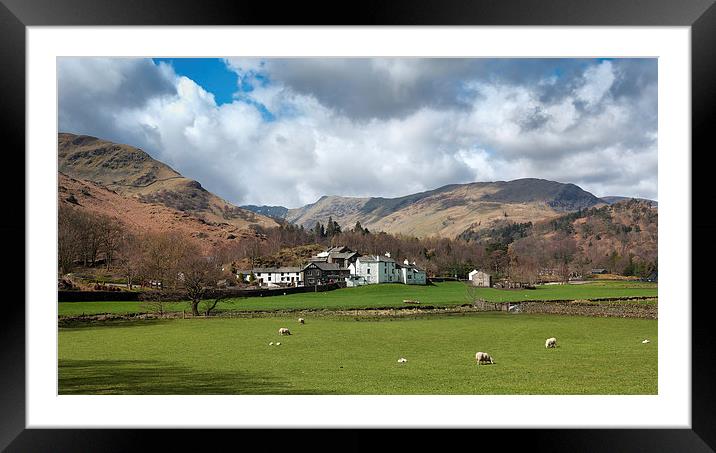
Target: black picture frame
[[700, 15]]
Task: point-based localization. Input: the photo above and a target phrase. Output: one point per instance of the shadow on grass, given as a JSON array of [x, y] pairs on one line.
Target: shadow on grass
[[151, 377]]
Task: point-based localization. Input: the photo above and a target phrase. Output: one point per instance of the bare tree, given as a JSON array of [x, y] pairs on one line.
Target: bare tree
[[129, 257], [67, 239], [199, 274], [110, 236]]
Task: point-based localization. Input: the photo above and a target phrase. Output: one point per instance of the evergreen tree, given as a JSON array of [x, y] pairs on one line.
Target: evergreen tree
[[330, 230], [318, 229]]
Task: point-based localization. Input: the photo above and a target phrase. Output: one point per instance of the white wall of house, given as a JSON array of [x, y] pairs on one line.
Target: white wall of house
[[275, 277], [480, 278], [375, 271]]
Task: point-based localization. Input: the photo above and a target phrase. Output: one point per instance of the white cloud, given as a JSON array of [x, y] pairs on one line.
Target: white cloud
[[500, 129], [597, 82]]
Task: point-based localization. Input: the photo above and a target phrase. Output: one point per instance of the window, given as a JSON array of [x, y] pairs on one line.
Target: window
[[369, 270]]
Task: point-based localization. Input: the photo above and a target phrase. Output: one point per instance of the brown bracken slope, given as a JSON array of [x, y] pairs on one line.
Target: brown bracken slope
[[144, 217], [131, 172]]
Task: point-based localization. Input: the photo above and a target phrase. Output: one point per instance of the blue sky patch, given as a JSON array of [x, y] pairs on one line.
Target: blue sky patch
[[211, 73]]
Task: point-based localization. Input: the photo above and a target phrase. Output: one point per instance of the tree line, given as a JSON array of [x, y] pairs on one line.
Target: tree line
[[521, 252]]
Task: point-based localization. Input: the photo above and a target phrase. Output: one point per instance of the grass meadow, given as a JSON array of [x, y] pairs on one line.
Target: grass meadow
[[387, 295], [346, 355]]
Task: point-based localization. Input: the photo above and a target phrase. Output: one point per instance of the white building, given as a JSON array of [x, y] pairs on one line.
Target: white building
[[480, 278], [275, 276], [374, 269]]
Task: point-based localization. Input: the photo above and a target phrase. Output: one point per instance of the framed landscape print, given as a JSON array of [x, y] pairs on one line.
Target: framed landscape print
[[360, 227]]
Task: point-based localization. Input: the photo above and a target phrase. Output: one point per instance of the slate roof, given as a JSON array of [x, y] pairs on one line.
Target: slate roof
[[325, 266], [342, 255], [274, 269], [380, 258]]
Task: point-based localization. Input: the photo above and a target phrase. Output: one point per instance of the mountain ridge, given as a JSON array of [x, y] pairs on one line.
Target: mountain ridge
[[132, 172], [449, 210]]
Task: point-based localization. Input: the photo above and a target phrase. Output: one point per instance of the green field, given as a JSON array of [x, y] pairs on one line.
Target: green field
[[343, 355], [387, 295]]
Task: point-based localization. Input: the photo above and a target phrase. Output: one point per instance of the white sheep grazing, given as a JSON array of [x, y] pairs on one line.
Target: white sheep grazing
[[284, 331], [301, 321], [550, 343], [402, 360], [483, 357], [278, 344], [271, 343], [645, 342]]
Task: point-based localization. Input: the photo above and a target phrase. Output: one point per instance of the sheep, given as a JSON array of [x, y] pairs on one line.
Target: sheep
[[271, 343], [550, 343], [402, 360], [301, 321], [278, 344], [284, 331], [483, 357], [645, 342]]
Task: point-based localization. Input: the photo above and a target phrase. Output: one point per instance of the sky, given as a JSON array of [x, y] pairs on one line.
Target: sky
[[288, 131]]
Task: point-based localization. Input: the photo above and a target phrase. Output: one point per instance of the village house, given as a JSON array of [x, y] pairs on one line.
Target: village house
[[480, 278], [341, 255], [374, 269], [274, 276], [411, 274], [321, 273]]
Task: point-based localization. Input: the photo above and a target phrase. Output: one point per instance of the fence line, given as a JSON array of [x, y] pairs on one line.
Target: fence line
[[138, 296]]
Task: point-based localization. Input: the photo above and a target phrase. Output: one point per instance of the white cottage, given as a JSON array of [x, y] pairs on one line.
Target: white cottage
[[273, 276], [374, 269], [480, 278]]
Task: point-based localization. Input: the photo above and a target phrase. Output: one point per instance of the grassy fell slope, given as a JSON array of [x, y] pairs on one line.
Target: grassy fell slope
[[131, 172], [450, 210]]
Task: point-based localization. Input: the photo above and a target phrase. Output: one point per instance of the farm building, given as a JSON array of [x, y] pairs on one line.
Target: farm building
[[341, 255], [411, 274], [480, 278], [320, 273], [599, 271], [374, 269], [274, 276]]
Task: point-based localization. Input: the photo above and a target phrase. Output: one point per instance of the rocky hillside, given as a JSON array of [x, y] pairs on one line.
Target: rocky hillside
[[131, 172], [450, 210], [615, 199]]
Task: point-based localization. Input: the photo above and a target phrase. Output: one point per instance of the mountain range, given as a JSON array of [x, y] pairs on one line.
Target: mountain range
[[448, 211], [93, 172]]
